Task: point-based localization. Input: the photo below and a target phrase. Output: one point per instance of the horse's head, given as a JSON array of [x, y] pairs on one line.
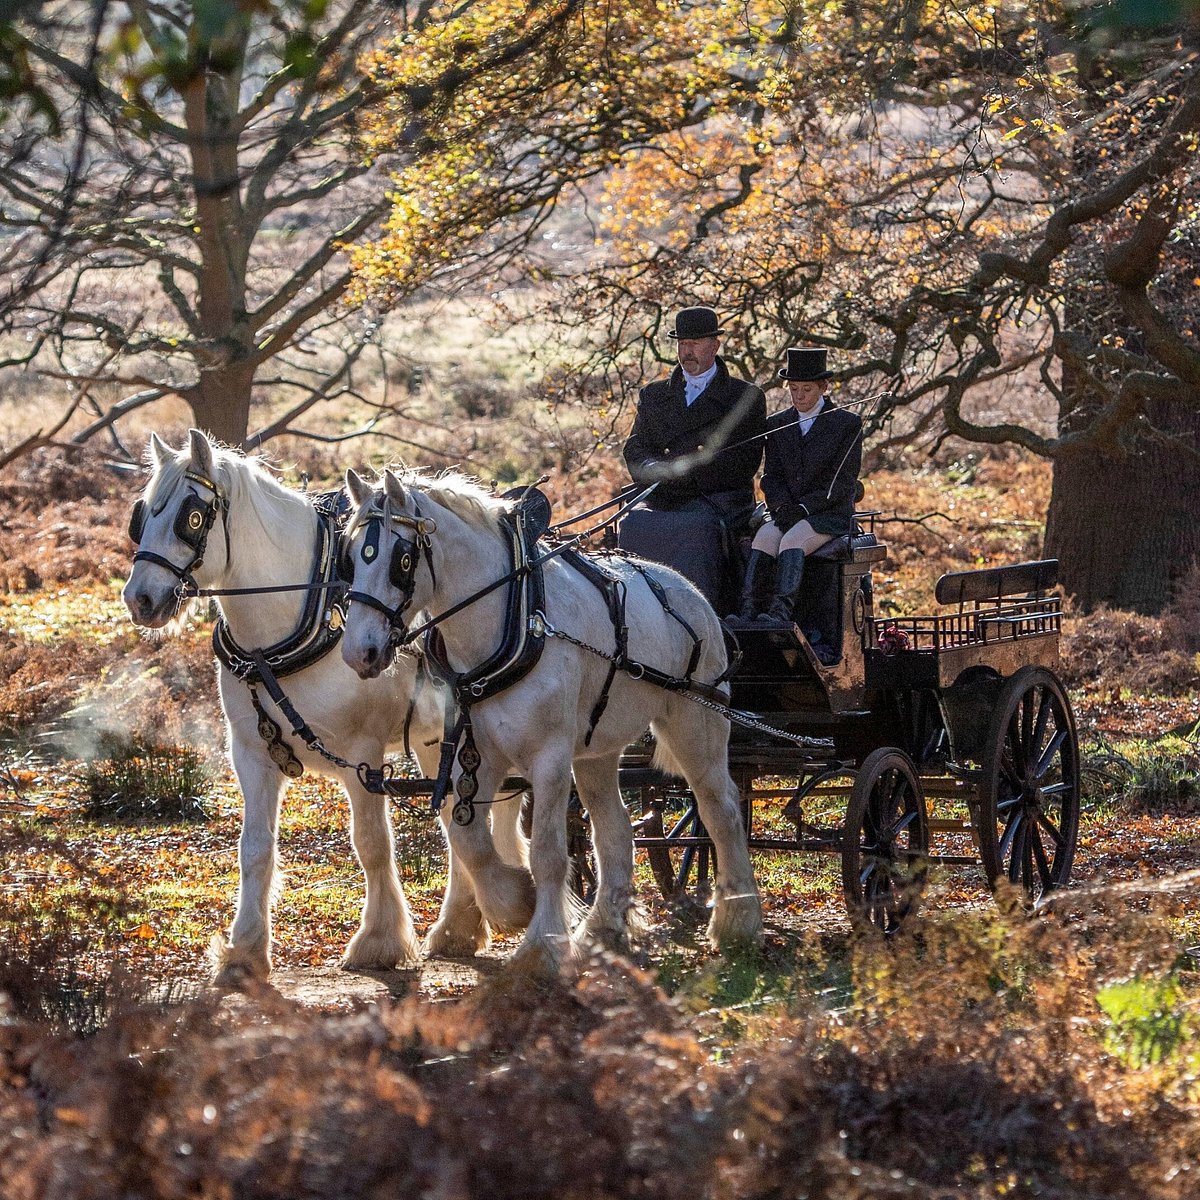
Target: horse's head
[[171, 526], [383, 549]]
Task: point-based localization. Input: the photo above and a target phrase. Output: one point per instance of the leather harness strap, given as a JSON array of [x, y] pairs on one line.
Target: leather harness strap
[[614, 591], [520, 650], [318, 630]]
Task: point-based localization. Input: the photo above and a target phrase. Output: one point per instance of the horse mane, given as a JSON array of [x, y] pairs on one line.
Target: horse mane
[[462, 494], [251, 485]]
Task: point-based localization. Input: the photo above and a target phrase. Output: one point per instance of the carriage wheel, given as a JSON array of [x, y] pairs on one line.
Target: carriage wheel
[[683, 873], [885, 840], [581, 857], [1028, 816]]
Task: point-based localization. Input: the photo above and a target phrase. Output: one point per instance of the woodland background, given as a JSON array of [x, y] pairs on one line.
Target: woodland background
[[348, 232]]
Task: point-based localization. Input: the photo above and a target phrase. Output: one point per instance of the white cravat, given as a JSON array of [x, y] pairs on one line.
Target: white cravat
[[693, 385], [806, 422]]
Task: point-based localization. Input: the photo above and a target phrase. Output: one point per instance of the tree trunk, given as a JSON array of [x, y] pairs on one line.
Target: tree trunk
[[1125, 528], [220, 403]]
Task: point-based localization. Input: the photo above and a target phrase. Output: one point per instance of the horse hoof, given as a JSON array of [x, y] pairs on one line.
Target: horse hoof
[[507, 897], [736, 924], [235, 966], [541, 958], [381, 951], [616, 941], [448, 943]]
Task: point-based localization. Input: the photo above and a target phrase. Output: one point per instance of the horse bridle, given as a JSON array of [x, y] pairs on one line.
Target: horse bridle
[[193, 523], [402, 568]]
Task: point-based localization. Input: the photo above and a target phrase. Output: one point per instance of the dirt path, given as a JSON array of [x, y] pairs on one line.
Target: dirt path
[[434, 979]]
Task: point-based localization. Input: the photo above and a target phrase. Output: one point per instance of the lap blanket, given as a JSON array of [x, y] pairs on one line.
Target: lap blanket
[[688, 539]]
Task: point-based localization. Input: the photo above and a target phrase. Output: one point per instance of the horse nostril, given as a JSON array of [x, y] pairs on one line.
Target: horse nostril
[[143, 601], [371, 654]]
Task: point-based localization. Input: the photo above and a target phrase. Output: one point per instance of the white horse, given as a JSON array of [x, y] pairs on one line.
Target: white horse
[[539, 726], [221, 520]]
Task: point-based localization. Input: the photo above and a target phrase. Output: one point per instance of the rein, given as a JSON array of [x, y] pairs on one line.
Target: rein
[[534, 564]]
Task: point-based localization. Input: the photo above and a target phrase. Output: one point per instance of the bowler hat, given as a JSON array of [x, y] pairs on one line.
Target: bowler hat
[[694, 323], [805, 365]]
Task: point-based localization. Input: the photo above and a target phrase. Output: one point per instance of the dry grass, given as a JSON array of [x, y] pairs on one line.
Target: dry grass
[[986, 1057]]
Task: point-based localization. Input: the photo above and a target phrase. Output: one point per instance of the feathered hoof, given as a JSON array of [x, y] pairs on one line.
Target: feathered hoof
[[507, 897], [602, 937], [612, 930], [540, 958], [234, 966], [445, 941], [736, 923], [382, 950]]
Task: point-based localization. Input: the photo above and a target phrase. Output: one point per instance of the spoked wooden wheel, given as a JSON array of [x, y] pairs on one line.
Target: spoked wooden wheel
[[1029, 787], [885, 841], [583, 880], [682, 857]]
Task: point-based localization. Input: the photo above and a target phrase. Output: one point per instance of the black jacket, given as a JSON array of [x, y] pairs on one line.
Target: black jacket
[[666, 427], [813, 477]]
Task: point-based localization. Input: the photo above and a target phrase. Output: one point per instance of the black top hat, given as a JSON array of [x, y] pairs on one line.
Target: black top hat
[[805, 365], [693, 323]]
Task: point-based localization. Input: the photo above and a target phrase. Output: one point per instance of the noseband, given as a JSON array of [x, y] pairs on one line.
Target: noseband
[[402, 568], [193, 523]]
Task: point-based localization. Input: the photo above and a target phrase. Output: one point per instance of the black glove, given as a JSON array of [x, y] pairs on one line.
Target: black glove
[[786, 516]]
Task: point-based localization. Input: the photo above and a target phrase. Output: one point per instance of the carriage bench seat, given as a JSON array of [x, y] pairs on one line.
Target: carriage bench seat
[[852, 548], [994, 583]]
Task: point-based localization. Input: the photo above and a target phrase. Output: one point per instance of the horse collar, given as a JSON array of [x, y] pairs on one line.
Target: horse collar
[[320, 625], [521, 644]]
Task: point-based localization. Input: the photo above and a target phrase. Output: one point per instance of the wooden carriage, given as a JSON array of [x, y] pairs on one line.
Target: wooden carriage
[[949, 736]]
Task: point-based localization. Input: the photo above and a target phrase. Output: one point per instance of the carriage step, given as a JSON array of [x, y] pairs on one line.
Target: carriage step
[[967, 774]]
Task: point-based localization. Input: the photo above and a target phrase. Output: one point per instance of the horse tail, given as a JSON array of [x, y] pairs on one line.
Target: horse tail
[[714, 656]]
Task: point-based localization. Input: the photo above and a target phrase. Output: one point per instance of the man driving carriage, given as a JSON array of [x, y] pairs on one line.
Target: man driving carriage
[[698, 436], [813, 457]]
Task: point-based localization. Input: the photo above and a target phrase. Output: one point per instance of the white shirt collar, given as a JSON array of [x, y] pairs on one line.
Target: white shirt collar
[[693, 385], [806, 422]]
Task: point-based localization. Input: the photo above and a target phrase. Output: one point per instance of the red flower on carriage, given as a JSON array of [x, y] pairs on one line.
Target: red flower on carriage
[[892, 639]]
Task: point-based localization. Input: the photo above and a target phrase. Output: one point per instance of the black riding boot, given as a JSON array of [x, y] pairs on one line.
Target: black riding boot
[[789, 574], [755, 587]]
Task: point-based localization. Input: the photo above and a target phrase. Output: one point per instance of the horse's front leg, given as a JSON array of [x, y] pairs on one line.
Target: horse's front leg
[[483, 890], [460, 930], [248, 947], [385, 937], [546, 941]]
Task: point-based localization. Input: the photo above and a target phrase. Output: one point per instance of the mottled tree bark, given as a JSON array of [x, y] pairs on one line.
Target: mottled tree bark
[[1125, 527]]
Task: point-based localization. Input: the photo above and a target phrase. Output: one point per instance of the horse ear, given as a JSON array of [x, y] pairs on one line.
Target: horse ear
[[393, 487], [358, 487], [202, 454], [160, 450]]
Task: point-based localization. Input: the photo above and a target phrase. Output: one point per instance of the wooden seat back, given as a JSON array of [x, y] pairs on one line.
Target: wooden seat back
[[994, 583]]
